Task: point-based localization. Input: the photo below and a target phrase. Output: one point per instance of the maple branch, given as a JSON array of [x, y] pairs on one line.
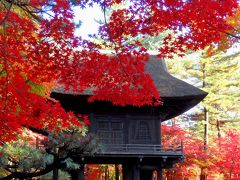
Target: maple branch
[[8, 10], [38, 131], [232, 35], [31, 13], [25, 8], [40, 10], [17, 3], [114, 43], [105, 22], [5, 62], [6, 69]]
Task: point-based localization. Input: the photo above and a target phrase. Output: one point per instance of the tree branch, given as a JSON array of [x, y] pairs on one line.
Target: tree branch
[[38, 131], [46, 170], [232, 35], [5, 61], [6, 16]]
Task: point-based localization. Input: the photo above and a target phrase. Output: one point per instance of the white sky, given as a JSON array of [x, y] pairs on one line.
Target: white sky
[[88, 17]]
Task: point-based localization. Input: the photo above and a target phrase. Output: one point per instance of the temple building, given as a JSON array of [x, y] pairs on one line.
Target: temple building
[[130, 135]]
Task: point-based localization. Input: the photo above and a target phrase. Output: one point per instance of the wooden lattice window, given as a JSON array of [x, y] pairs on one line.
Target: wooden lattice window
[[110, 132], [143, 131]]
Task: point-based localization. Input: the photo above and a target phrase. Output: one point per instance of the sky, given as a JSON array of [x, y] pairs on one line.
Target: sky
[[88, 17]]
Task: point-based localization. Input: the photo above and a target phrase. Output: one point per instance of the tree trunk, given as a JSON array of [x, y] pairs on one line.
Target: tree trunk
[[204, 74], [203, 175], [106, 173], [218, 128], [116, 172], [206, 119]]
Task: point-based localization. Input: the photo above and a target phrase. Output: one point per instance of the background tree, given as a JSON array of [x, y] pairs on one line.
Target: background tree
[[221, 161], [219, 76], [39, 152], [221, 82], [228, 160]]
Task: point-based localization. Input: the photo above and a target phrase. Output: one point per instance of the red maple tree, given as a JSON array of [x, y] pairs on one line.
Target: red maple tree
[[195, 155], [228, 161], [38, 46], [220, 160]]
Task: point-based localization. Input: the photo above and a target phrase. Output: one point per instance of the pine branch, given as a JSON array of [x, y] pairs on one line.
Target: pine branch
[[49, 168]]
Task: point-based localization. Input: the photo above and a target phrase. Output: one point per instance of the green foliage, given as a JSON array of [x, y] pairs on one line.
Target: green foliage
[[62, 175], [71, 164], [154, 42], [37, 88], [219, 75], [26, 155], [222, 78], [23, 157]]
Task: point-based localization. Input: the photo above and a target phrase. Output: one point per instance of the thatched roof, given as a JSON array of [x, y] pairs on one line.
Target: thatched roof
[[168, 85], [177, 95]]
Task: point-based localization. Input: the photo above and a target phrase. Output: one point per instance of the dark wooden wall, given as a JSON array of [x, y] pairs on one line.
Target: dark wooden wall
[[126, 128], [116, 124]]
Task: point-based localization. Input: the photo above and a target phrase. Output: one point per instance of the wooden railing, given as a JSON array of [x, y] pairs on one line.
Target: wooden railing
[[141, 148]]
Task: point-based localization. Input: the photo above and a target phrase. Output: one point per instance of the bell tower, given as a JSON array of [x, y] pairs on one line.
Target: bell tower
[[131, 135]]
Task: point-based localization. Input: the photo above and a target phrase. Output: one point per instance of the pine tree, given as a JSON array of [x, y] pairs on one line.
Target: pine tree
[[219, 76]]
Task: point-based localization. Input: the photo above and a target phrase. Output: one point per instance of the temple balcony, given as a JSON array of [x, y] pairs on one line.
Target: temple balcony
[[141, 149]]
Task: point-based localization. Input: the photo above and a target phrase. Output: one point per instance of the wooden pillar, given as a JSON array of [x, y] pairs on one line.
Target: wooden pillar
[[81, 172], [159, 174], [146, 174], [127, 171], [55, 170], [55, 174], [136, 172], [78, 174], [131, 171], [160, 133]]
